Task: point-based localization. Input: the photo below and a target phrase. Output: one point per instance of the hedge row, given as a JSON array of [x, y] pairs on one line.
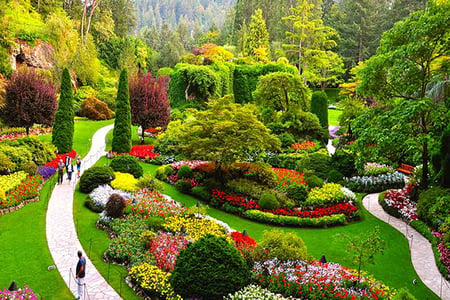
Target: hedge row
[[269, 218]]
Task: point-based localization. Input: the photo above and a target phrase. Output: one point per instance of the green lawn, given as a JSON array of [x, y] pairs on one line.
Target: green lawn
[[333, 116], [24, 254], [394, 268]]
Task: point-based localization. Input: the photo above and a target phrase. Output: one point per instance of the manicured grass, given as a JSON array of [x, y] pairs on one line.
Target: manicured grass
[[84, 130], [333, 116], [24, 254], [394, 268], [95, 242]]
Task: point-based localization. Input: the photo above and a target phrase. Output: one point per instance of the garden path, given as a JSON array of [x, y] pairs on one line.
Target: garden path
[[62, 237], [421, 252]]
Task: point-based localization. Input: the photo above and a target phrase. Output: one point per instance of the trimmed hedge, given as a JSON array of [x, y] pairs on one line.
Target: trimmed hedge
[[127, 164], [269, 218], [94, 177]]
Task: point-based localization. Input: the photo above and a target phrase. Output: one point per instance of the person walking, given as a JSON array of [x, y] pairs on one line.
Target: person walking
[[68, 160], [78, 166], [69, 172], [80, 273], [60, 168]]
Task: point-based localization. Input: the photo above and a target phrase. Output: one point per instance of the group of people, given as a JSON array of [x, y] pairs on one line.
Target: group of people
[[68, 166]]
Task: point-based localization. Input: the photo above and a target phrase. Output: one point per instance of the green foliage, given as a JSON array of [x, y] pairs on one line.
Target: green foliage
[[335, 176], [63, 126], [85, 62], [127, 164], [301, 124], [95, 176], [427, 199], [268, 201], [184, 172], [284, 245], [280, 90], [6, 163], [314, 181], [148, 181], [298, 192], [286, 139], [246, 187], [315, 163], [364, 247], [246, 78], [202, 266], [201, 192], [115, 206], [42, 152], [351, 108], [445, 158], [183, 185], [121, 142], [319, 107], [403, 294], [344, 162], [224, 133], [258, 36], [262, 173]]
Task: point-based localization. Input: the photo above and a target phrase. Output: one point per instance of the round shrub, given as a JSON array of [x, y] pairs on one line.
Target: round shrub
[[147, 181], [30, 168], [314, 181], [297, 192], [344, 162], [335, 176], [268, 201], [127, 164], [95, 109], [201, 268], [286, 139], [317, 163], [95, 176], [284, 245], [184, 172], [115, 206], [183, 186], [262, 173]]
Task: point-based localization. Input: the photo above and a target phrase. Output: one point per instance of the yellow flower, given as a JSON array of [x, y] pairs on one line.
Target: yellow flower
[[8, 182], [194, 227], [124, 181]]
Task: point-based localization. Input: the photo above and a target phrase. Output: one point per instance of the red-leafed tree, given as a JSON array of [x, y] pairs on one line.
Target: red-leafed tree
[[149, 102], [30, 99]]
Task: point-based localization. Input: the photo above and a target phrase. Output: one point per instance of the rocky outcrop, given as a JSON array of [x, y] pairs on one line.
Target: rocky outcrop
[[37, 56]]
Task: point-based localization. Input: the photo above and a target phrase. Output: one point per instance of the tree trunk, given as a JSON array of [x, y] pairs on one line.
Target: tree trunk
[[94, 6], [143, 133], [83, 19], [27, 130], [186, 91]]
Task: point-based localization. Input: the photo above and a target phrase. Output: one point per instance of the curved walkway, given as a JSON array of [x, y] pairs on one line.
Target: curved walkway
[[62, 237], [421, 252]]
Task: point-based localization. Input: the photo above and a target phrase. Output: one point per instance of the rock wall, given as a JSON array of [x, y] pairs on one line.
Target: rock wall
[[37, 56]]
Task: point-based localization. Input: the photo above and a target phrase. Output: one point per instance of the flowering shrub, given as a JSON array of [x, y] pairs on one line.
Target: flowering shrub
[[303, 146], [143, 151], [287, 177], [254, 292], [194, 227], [151, 204], [46, 172], [317, 280], [25, 294], [28, 189], [445, 255], [8, 182], [16, 133], [400, 201], [124, 181], [54, 163], [154, 280], [372, 184], [372, 169], [193, 164], [329, 193], [166, 247], [100, 195]]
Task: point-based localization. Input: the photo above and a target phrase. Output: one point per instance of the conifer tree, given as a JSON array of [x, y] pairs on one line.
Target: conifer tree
[[258, 36], [319, 107], [121, 142], [445, 156], [63, 126]]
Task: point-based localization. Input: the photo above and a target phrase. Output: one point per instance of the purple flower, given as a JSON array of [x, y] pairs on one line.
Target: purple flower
[[46, 172], [333, 132]]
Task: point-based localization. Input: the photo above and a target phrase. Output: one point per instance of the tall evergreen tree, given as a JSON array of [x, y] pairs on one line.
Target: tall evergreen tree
[[63, 126], [258, 36], [319, 107], [121, 142]]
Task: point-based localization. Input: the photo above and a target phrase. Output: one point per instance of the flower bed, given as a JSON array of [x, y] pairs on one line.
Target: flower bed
[[373, 169], [303, 146], [54, 163], [124, 181], [252, 292], [287, 177], [143, 151], [328, 194], [46, 172], [28, 189], [317, 280], [17, 133], [166, 247], [24, 294], [8, 182], [195, 228], [375, 184], [101, 194], [193, 164], [400, 201], [152, 204]]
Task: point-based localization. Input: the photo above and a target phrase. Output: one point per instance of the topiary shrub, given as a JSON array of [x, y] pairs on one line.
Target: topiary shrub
[[115, 206], [344, 162], [297, 192], [268, 201], [121, 142], [95, 109], [335, 176], [314, 181], [95, 176], [127, 164], [183, 186], [426, 201], [184, 172], [319, 107], [283, 245], [201, 268]]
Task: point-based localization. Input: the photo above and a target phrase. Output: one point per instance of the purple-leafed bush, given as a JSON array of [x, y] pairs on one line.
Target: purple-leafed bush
[[46, 172]]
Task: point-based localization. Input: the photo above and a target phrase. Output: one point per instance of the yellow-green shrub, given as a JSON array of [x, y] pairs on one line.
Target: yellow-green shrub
[[124, 181], [195, 227], [329, 193]]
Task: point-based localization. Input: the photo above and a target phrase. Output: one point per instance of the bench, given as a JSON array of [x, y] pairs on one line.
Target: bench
[[407, 169]]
